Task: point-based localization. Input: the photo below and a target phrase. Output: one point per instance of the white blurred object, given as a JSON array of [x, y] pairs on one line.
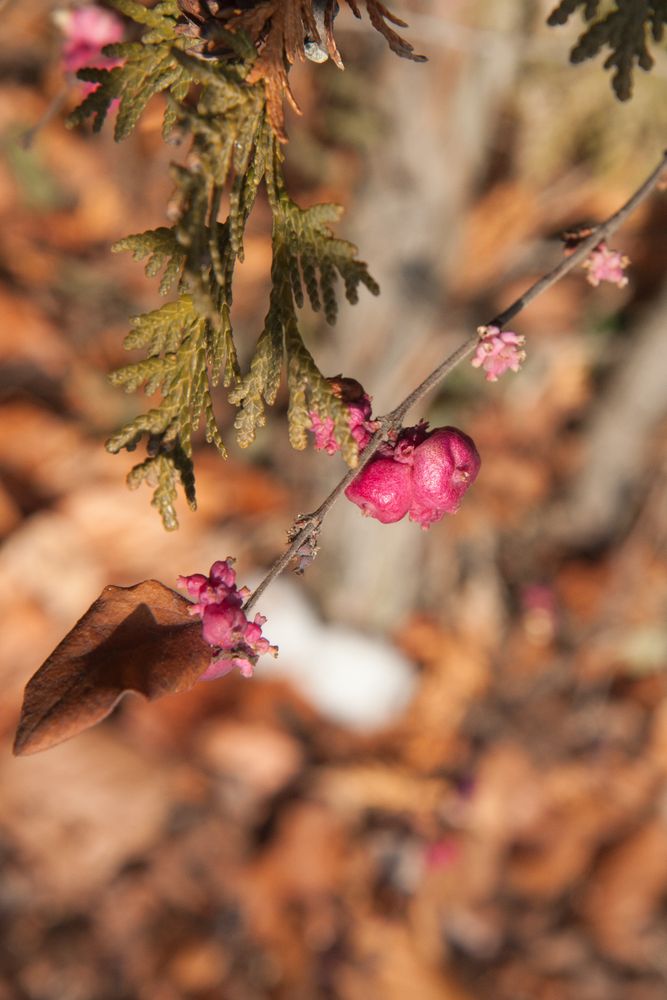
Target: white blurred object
[[353, 679]]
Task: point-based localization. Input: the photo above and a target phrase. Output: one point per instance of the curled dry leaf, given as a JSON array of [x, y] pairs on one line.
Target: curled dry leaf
[[138, 638], [284, 32]]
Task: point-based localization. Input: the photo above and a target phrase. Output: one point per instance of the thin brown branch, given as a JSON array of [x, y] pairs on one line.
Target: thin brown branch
[[393, 420]]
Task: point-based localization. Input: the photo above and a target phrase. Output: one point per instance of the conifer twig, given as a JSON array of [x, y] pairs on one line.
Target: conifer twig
[[308, 525]]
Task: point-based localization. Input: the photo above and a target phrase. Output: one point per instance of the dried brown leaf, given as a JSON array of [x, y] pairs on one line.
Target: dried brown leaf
[[378, 15], [138, 638], [280, 27], [271, 68], [623, 902]]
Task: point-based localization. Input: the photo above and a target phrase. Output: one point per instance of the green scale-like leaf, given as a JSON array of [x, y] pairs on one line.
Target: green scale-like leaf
[[261, 384], [161, 247], [310, 393], [305, 252], [624, 30], [149, 67], [311, 247], [162, 472], [177, 340], [188, 344]]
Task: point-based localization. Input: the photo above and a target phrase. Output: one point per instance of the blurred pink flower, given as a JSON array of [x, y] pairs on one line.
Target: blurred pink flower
[[442, 853], [604, 264], [498, 352], [86, 31], [540, 612]]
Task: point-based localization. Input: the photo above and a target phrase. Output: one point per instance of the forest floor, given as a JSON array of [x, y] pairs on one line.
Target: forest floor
[[505, 835]]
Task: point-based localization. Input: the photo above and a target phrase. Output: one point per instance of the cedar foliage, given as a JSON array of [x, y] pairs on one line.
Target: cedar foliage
[[224, 72], [223, 67], [624, 29]]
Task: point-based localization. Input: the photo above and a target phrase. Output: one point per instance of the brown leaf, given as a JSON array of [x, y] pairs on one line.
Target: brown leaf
[[279, 29], [138, 638], [623, 902], [284, 41], [378, 15]]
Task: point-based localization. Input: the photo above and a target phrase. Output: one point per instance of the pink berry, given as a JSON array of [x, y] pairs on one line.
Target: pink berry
[[443, 468], [382, 489]]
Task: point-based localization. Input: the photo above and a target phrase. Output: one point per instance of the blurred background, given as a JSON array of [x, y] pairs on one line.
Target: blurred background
[[452, 785]]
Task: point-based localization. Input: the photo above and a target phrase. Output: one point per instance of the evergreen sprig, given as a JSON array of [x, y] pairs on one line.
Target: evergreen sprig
[[313, 253], [624, 30], [188, 344], [162, 249], [150, 66], [305, 254]]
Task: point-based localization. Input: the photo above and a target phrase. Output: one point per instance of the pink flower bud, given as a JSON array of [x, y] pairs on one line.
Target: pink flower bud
[[443, 468], [359, 420], [420, 472], [403, 449], [323, 431], [361, 427], [195, 584], [222, 625], [223, 666], [382, 490], [222, 574]]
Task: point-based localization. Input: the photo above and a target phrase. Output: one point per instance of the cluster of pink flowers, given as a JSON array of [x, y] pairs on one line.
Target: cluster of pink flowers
[[358, 405], [236, 641], [498, 352], [422, 473], [604, 264], [86, 31]]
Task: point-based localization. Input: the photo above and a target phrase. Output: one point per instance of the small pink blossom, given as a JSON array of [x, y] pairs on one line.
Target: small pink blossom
[[86, 31], [498, 352], [324, 433], [218, 586], [359, 420], [540, 612], [195, 584], [236, 641], [361, 427], [604, 264]]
